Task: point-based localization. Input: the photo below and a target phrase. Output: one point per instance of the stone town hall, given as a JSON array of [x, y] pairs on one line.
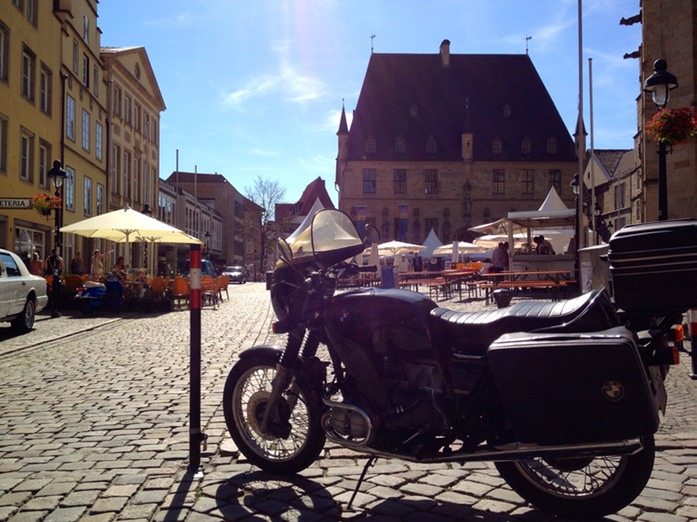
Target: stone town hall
[[449, 141]]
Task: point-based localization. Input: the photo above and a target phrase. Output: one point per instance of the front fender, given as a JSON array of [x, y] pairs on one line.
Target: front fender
[[268, 350]]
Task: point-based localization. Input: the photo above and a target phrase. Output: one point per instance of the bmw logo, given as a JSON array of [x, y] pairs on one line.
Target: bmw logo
[[613, 391]]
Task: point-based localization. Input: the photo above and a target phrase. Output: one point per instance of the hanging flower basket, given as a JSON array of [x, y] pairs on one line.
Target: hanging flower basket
[[672, 126], [44, 204]]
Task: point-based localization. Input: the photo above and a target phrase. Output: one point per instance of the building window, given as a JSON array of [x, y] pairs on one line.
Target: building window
[[431, 223], [620, 196], [136, 116], [98, 144], [369, 181], [127, 109], [85, 130], [28, 73], [551, 145], [70, 118], [3, 143], [498, 182], [32, 11], [26, 155], [100, 199], [554, 177], [370, 145], [76, 56], [95, 80], [86, 29], [527, 180], [506, 111], [88, 196], [86, 71], [399, 177], [116, 169], [45, 82], [136, 180], [430, 181], [497, 145], [431, 145], [126, 193], [400, 145], [146, 126], [70, 188], [117, 100], [4, 51], [44, 162], [526, 145]]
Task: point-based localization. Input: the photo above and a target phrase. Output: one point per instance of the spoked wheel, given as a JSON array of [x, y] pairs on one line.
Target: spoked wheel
[[293, 437], [581, 487]]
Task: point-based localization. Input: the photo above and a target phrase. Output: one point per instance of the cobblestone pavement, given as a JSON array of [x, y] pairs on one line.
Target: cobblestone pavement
[[94, 426]]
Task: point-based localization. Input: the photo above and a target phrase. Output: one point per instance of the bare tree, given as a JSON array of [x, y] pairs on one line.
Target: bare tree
[[266, 193]]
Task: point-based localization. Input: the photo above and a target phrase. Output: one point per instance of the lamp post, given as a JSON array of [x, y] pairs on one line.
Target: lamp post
[[659, 84], [146, 210], [57, 174]]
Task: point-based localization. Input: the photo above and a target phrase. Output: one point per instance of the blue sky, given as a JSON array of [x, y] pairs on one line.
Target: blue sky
[[255, 87]]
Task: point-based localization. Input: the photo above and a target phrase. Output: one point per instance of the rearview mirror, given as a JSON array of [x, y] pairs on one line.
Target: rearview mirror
[[372, 234]]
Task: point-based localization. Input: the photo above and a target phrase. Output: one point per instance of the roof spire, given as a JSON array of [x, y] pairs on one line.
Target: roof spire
[[343, 127]]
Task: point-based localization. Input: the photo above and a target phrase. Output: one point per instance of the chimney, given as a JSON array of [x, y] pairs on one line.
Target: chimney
[[445, 53]]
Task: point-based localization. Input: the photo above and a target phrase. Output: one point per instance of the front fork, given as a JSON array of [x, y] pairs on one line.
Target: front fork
[[284, 379]]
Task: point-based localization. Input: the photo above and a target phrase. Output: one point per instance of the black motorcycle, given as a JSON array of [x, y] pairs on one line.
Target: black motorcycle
[[564, 397]]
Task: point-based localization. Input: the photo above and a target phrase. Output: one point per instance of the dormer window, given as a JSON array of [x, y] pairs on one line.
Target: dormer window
[[506, 111], [413, 110], [497, 145], [431, 145], [400, 145], [526, 145], [551, 145], [370, 145]]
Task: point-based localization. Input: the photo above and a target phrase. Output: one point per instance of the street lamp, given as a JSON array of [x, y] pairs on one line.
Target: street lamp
[[57, 175], [148, 212], [659, 84]]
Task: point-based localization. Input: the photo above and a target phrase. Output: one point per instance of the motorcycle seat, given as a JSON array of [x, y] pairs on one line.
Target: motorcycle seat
[[471, 333]]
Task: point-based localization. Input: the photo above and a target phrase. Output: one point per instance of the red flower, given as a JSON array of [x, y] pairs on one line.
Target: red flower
[[44, 203], [673, 126]]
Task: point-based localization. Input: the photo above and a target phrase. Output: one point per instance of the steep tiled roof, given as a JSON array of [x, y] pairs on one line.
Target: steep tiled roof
[[414, 97]]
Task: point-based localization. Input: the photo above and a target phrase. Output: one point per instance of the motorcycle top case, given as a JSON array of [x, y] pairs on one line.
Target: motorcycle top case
[[654, 266], [573, 388]]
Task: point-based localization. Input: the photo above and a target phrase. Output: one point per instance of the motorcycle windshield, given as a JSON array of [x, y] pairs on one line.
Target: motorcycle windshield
[[331, 237]]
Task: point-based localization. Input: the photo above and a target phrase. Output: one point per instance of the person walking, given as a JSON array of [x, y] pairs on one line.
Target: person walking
[[36, 265], [77, 265], [499, 260], [54, 268]]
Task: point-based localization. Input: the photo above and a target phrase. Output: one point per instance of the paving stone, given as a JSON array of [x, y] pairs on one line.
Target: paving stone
[[66, 514]]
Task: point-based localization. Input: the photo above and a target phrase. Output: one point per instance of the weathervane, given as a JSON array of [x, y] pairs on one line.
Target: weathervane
[[527, 38], [372, 37]]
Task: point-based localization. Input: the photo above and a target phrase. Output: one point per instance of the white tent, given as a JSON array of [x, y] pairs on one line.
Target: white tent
[[431, 243]]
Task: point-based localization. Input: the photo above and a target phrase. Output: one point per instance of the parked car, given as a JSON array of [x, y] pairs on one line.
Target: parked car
[[236, 274], [22, 295], [207, 268]]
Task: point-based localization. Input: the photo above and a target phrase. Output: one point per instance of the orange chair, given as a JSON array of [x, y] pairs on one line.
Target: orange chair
[[180, 291], [158, 287], [223, 282], [209, 291]]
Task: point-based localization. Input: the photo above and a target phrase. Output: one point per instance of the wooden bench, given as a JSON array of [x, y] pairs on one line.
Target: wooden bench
[[523, 284]]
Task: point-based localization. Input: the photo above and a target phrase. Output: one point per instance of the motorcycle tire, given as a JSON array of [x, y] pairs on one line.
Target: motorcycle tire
[[581, 487], [247, 389]]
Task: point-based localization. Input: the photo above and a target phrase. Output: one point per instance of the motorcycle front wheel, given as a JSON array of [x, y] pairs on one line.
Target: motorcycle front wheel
[[582, 487], [293, 438]]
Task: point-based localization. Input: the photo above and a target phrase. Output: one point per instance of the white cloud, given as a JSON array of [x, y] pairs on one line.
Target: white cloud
[[287, 81]]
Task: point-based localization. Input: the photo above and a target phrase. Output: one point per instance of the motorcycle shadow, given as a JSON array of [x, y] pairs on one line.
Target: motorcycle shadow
[[301, 498]]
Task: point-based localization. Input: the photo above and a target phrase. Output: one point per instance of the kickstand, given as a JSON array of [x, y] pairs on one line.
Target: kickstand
[[369, 463]]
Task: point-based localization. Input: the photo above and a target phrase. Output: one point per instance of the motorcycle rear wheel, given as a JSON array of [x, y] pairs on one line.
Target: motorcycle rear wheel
[[581, 487], [293, 441]]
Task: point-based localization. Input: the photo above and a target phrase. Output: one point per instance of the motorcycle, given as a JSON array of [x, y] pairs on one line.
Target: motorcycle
[[563, 397], [95, 296]]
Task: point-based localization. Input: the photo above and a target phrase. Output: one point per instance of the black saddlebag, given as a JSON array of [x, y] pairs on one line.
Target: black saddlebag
[[654, 266], [573, 388]]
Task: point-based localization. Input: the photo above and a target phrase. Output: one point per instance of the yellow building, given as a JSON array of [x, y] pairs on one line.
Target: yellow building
[[30, 119], [135, 104]]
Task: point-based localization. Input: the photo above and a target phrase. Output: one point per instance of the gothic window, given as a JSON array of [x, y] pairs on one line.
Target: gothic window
[[370, 145], [400, 146]]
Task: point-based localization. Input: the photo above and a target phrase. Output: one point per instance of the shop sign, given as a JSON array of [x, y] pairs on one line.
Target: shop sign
[[15, 203]]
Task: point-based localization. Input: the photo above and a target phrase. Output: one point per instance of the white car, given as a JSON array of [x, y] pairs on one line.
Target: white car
[[22, 295]]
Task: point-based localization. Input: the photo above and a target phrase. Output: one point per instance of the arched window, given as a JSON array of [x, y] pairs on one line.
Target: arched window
[[400, 145], [370, 144], [431, 145], [526, 145], [497, 145]]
